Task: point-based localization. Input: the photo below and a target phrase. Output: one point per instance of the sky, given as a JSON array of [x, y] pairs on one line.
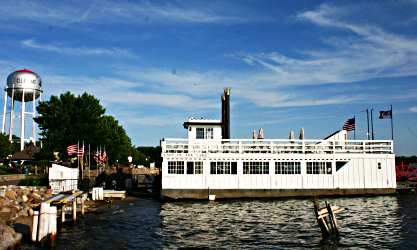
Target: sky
[[290, 64]]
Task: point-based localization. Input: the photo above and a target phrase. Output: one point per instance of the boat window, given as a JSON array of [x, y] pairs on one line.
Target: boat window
[[316, 167], [222, 167], [195, 167], [234, 167], [175, 167], [199, 133], [287, 167], [329, 167], [209, 133], [340, 164], [198, 167], [190, 167], [256, 167], [212, 168]]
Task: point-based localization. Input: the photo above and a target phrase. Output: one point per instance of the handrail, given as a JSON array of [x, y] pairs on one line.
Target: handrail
[[276, 146]]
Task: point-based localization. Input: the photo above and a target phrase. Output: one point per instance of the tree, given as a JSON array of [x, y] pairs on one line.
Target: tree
[[70, 119], [110, 134], [6, 147]]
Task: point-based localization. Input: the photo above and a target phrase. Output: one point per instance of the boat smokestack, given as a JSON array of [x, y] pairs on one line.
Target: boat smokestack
[[226, 114]]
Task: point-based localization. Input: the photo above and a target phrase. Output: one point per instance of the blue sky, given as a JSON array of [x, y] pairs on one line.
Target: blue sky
[[290, 64]]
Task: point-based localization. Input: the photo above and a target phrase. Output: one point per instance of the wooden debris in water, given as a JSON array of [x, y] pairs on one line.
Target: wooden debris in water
[[326, 218]]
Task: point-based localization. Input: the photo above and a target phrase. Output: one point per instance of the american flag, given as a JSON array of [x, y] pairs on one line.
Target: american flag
[[72, 149], [349, 124], [100, 157], [103, 157]]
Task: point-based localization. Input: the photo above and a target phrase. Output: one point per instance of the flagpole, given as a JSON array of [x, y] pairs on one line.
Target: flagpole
[[89, 162], [354, 129], [78, 158], [372, 123], [367, 122], [392, 126]]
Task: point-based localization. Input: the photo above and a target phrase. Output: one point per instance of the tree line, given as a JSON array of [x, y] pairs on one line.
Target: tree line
[[69, 119]]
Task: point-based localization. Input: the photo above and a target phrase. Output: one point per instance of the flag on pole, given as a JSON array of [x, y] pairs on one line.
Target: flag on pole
[[72, 149], [80, 152], [349, 124], [387, 114], [103, 157]]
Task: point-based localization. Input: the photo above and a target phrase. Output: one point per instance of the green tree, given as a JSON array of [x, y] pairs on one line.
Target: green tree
[[6, 147], [70, 119]]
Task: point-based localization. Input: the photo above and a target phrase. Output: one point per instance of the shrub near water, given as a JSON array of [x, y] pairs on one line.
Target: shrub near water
[[34, 181]]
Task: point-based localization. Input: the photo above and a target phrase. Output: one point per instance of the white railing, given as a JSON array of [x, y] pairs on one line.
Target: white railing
[[277, 146]]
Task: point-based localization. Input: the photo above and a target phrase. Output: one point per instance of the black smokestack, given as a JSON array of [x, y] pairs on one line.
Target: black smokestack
[[226, 114]]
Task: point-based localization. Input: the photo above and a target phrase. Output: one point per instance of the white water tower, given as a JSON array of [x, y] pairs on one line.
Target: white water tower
[[23, 86]]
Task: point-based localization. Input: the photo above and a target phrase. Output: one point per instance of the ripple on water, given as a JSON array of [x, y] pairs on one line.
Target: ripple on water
[[367, 223]]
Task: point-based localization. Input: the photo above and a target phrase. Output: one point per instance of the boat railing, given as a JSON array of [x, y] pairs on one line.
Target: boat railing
[[275, 146]]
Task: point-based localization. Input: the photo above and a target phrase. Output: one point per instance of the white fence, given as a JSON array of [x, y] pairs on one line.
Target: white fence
[[62, 178], [247, 146]]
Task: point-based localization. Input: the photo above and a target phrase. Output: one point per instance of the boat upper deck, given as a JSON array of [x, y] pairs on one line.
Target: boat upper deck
[[185, 147]]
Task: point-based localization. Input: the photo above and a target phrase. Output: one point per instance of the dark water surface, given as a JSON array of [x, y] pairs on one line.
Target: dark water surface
[[384, 222]]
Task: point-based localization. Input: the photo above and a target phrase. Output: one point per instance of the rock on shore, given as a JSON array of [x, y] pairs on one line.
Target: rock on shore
[[17, 202], [9, 239]]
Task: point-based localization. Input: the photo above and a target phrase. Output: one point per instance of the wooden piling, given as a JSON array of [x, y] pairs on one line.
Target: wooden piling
[[332, 218], [74, 209], [63, 213], [320, 220], [326, 218], [35, 219], [43, 221], [52, 225], [82, 206]]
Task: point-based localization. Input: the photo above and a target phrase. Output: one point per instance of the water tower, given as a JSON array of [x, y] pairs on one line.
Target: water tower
[[23, 86]]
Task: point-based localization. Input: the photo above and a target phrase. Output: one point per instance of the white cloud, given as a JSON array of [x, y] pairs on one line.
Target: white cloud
[[119, 91], [413, 109], [363, 52], [62, 13], [78, 51]]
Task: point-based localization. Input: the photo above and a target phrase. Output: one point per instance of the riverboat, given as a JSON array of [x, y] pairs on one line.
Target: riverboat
[[210, 164]]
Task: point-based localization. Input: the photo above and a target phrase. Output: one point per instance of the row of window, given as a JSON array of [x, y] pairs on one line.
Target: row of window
[[252, 167]]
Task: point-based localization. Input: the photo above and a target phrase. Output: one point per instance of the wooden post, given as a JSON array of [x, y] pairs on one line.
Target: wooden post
[[63, 213], [74, 209], [43, 220], [321, 221], [52, 225], [35, 225], [333, 220], [82, 205]]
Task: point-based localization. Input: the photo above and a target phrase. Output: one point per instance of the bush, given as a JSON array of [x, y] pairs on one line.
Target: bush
[[34, 181]]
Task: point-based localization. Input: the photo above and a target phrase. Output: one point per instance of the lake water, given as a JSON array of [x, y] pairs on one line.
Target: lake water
[[383, 222]]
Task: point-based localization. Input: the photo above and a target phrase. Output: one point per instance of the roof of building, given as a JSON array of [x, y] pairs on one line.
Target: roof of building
[[201, 121]]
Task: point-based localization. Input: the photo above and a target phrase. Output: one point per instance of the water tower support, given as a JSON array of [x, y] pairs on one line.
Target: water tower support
[[11, 117], [3, 125], [33, 120], [22, 127]]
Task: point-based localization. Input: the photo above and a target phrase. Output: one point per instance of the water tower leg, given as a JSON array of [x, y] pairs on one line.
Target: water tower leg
[[33, 117], [11, 118], [22, 127], [3, 125]]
